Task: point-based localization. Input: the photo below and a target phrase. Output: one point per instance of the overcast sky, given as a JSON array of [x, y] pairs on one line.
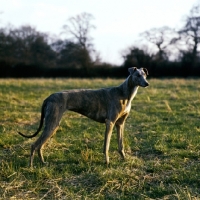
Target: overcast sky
[[118, 22]]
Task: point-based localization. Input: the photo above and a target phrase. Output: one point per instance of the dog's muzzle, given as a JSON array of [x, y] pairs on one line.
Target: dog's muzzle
[[146, 84]]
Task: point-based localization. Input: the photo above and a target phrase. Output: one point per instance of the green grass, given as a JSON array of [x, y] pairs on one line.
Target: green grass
[[162, 144]]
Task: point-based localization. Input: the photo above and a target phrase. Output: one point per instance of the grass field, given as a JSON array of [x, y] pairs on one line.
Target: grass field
[[162, 144]]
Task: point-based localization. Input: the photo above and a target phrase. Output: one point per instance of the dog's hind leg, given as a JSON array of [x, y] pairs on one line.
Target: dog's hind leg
[[39, 144], [52, 120], [40, 147]]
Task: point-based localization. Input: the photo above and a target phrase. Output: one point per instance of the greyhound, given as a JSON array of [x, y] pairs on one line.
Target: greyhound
[[107, 105]]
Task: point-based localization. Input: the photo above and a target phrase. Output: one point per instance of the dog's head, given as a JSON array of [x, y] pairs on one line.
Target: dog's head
[[139, 76]]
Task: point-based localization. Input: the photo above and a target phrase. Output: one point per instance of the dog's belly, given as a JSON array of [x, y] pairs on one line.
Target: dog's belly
[[94, 115], [100, 118]]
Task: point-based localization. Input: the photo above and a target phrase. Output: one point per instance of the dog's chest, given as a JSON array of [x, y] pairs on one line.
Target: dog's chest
[[126, 107], [126, 103]]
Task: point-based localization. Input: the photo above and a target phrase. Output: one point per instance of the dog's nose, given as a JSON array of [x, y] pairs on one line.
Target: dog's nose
[[147, 84]]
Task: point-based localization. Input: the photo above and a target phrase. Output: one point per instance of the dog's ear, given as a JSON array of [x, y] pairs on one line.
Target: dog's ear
[[132, 70], [146, 71]]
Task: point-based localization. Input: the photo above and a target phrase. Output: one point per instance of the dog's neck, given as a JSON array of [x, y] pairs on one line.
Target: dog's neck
[[129, 88]]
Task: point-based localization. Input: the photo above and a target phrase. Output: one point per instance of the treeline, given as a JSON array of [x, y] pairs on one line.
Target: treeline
[[26, 52]]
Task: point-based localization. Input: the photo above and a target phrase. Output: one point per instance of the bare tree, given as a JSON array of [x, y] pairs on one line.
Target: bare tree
[[162, 38], [190, 34], [79, 27]]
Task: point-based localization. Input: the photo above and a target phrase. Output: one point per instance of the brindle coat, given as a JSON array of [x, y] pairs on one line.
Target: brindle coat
[[108, 105]]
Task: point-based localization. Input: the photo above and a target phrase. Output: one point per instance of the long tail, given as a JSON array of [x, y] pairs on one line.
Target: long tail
[[40, 126]]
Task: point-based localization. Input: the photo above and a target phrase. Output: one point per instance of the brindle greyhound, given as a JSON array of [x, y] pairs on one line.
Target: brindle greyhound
[[107, 105]]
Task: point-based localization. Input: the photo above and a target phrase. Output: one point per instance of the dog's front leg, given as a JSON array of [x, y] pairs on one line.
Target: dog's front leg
[[108, 133], [120, 133]]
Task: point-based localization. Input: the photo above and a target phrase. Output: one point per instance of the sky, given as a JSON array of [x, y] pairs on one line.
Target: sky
[[119, 23]]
